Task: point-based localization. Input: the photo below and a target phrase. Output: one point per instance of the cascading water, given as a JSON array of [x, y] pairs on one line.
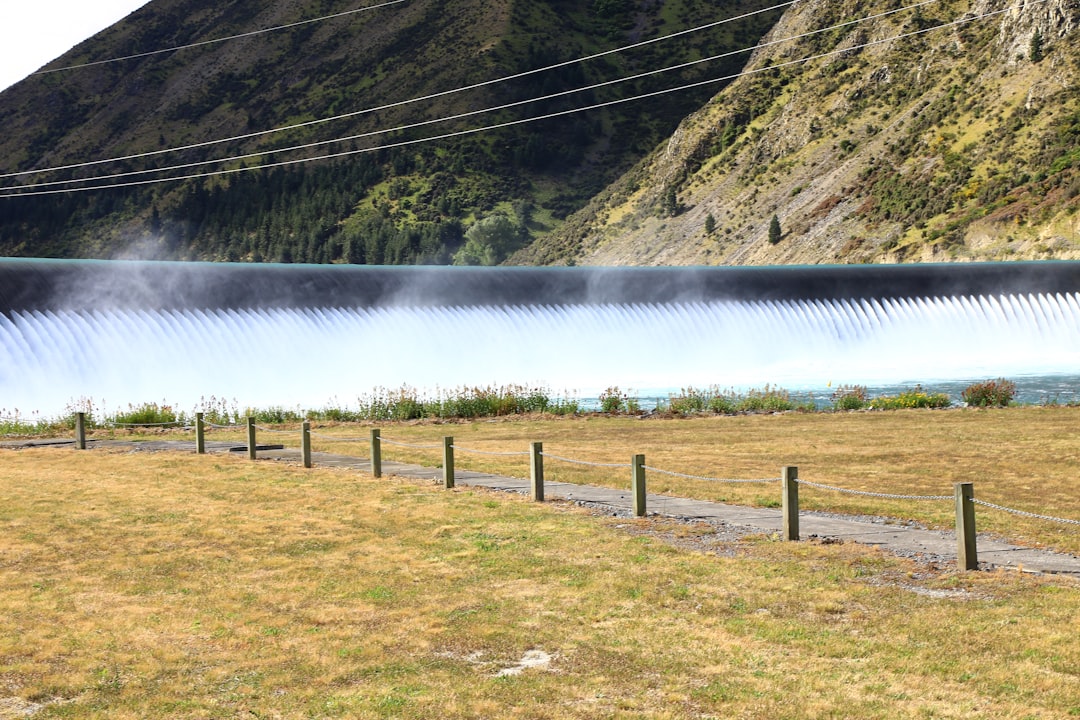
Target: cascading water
[[149, 341]]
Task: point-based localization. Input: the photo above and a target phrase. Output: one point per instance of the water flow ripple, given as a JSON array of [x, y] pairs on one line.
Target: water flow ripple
[[320, 355]]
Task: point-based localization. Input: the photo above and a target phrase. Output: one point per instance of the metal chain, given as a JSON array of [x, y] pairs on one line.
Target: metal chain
[[1024, 513], [708, 479], [160, 424], [887, 496], [338, 439], [408, 445], [271, 430], [222, 427], [488, 452], [583, 462]]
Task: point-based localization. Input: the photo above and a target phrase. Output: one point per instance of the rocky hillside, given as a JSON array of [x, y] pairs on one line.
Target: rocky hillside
[[912, 137], [411, 203]]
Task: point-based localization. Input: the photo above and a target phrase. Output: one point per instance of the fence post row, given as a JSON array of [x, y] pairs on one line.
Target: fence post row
[[966, 551], [80, 431], [305, 442], [536, 470], [200, 434], [967, 557], [637, 485], [789, 481], [376, 453], [448, 461], [251, 437]]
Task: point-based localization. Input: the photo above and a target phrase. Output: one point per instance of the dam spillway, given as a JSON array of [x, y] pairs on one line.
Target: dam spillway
[[312, 336]]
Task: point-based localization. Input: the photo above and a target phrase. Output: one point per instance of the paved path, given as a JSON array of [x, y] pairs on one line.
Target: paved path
[[906, 540]]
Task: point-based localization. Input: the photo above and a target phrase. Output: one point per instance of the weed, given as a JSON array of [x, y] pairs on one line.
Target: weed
[[728, 402], [850, 397], [148, 414], [991, 393], [909, 399]]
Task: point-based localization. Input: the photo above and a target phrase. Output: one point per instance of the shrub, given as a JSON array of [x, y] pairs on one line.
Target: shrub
[[991, 393], [148, 414], [850, 397], [729, 402], [688, 401], [613, 400], [915, 398]]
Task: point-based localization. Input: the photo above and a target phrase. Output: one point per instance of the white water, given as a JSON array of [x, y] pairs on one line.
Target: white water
[[313, 358]]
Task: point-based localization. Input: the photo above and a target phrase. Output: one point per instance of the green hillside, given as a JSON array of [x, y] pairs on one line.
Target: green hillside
[[950, 131], [411, 203]]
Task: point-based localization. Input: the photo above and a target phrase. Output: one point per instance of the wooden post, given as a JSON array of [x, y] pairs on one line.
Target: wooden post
[[251, 437], [376, 453], [536, 470], [638, 485], [80, 431], [967, 557], [448, 461], [200, 434], [789, 477], [305, 442]]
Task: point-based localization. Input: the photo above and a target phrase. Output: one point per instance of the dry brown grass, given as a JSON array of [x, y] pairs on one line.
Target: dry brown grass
[[167, 585]]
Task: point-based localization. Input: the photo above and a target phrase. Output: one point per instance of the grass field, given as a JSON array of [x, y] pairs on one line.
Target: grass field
[[138, 585]]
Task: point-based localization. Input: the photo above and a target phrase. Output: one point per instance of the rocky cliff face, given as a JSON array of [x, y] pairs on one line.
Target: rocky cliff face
[[947, 132]]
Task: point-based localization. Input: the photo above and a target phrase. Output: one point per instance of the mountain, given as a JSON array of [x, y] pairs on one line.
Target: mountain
[[947, 132], [387, 197]]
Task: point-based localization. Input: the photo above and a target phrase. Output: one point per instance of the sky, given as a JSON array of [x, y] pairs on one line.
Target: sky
[[35, 32]]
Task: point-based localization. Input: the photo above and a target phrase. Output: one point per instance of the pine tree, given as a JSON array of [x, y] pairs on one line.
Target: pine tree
[[775, 232], [1035, 51], [671, 201], [710, 224]]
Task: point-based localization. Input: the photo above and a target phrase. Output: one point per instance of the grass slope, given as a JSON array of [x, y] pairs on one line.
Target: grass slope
[[954, 142], [393, 206]]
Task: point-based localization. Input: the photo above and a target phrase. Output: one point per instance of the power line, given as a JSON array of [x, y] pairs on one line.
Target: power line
[[217, 40], [401, 103], [511, 123], [460, 116]]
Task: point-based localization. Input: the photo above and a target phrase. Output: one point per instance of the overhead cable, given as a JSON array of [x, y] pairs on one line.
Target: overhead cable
[[216, 40], [401, 103], [522, 121], [460, 116]]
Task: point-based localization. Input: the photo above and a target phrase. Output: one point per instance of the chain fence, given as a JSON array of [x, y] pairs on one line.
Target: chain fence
[[337, 438], [586, 462], [260, 428], [215, 426], [864, 493], [1024, 513], [411, 445], [488, 452], [708, 479], [173, 423]]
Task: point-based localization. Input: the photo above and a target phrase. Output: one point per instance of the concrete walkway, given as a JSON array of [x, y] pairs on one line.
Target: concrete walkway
[[905, 540]]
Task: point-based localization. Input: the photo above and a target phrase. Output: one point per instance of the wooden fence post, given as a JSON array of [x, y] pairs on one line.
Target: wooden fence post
[[448, 461], [200, 434], [536, 470], [638, 485], [789, 480], [376, 453], [80, 431], [967, 557], [251, 437], [305, 442]]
